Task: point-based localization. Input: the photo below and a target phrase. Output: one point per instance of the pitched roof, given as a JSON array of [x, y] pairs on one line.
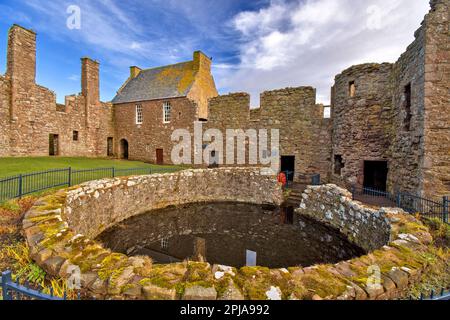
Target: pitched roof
[[171, 81]]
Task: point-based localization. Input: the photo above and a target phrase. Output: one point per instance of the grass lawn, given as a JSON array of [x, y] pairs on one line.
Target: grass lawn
[[14, 166], [11, 186]]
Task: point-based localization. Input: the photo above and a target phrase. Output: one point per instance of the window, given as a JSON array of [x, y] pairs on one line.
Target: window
[[167, 108], [338, 164], [75, 136], [408, 115], [164, 243], [351, 89], [139, 114], [110, 147]]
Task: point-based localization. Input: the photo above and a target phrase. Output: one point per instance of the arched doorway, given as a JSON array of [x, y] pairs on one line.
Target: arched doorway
[[123, 149]]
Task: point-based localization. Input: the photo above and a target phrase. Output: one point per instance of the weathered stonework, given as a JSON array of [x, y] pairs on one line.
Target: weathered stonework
[[361, 124], [29, 113], [369, 228], [372, 120], [378, 123], [304, 132], [52, 229]]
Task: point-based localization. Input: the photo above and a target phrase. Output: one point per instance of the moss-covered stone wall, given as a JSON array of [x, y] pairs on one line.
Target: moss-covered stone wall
[[61, 250]]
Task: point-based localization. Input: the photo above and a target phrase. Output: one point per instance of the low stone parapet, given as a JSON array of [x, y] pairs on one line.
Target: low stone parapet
[[56, 227], [368, 228]]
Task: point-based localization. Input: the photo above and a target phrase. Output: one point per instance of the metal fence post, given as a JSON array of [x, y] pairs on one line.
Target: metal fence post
[[20, 185], [113, 172], [398, 200], [6, 280], [70, 177], [445, 207]]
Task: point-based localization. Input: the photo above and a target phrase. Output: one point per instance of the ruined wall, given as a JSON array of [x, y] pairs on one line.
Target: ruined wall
[[153, 133], [51, 228], [304, 133], [137, 195], [361, 123], [4, 116], [436, 171], [34, 114], [368, 228], [407, 143]]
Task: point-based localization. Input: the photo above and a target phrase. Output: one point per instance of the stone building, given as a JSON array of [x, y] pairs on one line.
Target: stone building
[[391, 122], [154, 102], [389, 129], [33, 124], [304, 132]]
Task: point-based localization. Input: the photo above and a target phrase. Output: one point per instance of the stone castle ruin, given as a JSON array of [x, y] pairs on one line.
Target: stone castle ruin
[[389, 127]]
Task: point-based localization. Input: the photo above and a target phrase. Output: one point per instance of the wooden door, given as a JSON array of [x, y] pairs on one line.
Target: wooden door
[[159, 156]]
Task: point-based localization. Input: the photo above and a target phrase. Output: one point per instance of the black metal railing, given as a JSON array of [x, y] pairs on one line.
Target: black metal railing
[[15, 291], [406, 201], [25, 184], [443, 295]]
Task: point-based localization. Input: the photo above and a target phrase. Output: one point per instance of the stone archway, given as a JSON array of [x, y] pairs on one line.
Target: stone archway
[[124, 149]]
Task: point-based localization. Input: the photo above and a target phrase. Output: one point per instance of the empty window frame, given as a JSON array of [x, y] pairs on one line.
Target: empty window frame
[[338, 164], [408, 114], [167, 109], [139, 114], [351, 89], [75, 135]]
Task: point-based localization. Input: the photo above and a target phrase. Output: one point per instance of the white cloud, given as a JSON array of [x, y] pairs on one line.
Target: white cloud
[[74, 77], [309, 42]]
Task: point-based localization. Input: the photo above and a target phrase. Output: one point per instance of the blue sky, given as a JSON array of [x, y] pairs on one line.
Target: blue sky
[[256, 45]]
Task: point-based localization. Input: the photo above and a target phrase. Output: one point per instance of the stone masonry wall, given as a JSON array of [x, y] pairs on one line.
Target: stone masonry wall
[[33, 114], [436, 173], [153, 133], [104, 274], [407, 145], [368, 228], [361, 124], [114, 200], [4, 116], [304, 133]]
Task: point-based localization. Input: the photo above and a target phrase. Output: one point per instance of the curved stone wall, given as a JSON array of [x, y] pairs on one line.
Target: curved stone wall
[[52, 230], [368, 228], [96, 206]]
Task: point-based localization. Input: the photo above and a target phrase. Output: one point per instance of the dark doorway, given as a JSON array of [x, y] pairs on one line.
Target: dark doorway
[[288, 165], [124, 149], [53, 145], [159, 156], [110, 147], [375, 175]]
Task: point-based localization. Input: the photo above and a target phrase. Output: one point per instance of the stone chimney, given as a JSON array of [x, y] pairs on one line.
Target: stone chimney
[[201, 62], [90, 80], [21, 56], [134, 72]]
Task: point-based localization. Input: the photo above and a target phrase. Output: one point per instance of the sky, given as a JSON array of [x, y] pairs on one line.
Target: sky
[[256, 45]]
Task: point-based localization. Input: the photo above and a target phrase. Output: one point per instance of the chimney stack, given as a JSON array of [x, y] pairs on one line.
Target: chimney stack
[[134, 72]]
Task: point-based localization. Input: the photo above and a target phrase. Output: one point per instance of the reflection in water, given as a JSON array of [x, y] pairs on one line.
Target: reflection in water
[[223, 233]]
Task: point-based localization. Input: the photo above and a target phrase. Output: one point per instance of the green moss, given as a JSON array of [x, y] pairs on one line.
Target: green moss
[[199, 274], [324, 283], [166, 276], [255, 281], [112, 266]]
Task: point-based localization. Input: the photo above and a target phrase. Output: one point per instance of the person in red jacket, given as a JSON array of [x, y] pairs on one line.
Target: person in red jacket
[[282, 179]]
